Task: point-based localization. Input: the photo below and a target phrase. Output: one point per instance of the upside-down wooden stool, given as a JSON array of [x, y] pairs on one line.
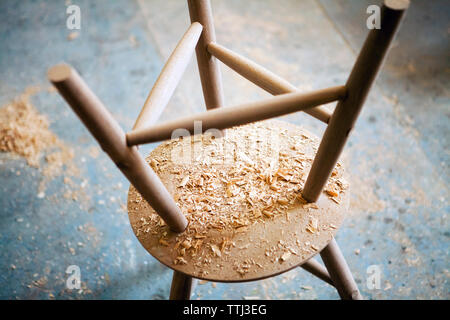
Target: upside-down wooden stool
[[245, 203]]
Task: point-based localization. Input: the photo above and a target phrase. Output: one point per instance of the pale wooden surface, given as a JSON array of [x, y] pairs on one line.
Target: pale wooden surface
[[281, 234]]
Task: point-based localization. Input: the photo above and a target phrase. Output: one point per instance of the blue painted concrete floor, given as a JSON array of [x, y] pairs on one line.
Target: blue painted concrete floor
[[398, 155]]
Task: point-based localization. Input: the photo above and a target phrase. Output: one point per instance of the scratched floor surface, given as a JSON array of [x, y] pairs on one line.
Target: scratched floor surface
[[398, 154]]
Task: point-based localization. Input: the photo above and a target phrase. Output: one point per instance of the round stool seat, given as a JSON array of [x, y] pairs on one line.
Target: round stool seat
[[241, 195]]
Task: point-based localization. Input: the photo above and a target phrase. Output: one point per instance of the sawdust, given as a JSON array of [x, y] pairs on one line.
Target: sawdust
[[363, 197], [23, 130], [26, 133], [73, 36], [232, 184], [94, 152]]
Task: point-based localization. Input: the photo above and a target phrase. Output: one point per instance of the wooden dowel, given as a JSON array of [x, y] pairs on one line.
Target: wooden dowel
[[200, 11], [181, 287], [358, 85], [169, 78], [315, 268], [112, 139], [233, 116], [261, 77], [339, 272]]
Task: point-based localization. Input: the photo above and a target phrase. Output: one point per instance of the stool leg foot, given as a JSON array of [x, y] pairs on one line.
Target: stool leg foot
[[182, 286], [339, 272]]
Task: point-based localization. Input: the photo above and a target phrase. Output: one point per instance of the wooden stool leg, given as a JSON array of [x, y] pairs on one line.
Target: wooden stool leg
[[208, 66], [181, 286], [358, 85], [339, 272], [315, 268], [112, 139]]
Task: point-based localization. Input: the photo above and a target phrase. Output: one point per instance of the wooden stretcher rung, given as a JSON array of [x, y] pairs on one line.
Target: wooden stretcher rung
[[223, 118], [169, 78], [262, 77]]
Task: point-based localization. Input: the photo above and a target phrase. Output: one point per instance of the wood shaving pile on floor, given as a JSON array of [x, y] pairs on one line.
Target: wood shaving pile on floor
[[25, 132]]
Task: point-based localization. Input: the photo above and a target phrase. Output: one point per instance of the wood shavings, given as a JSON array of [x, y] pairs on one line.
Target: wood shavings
[[285, 256], [163, 242], [245, 158], [73, 35], [233, 184], [180, 260], [313, 225], [215, 249], [184, 181], [25, 132], [335, 200], [186, 244], [310, 206], [332, 192], [342, 183]]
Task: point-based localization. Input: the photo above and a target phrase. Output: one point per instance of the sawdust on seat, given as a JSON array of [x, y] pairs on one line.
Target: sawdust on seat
[[255, 174]]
